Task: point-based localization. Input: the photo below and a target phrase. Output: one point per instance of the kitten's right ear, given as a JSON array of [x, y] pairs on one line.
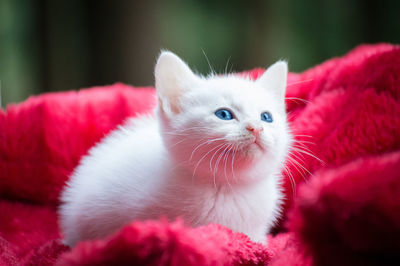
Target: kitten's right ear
[[172, 78], [274, 79]]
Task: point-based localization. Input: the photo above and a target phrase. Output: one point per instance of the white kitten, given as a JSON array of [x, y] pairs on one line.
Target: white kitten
[[213, 153]]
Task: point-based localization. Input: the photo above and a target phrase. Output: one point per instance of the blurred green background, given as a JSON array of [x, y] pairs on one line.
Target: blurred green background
[[48, 45]]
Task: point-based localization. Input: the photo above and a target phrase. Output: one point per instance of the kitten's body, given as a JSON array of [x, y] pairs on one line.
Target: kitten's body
[[184, 161]]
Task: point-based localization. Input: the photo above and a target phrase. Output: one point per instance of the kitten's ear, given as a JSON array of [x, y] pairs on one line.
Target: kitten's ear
[[172, 78], [274, 79]]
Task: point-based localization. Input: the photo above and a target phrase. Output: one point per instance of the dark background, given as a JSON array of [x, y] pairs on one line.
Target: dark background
[[50, 45]]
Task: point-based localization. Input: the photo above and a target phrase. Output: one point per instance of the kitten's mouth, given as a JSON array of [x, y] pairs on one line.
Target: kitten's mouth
[[253, 144], [258, 145], [256, 142]]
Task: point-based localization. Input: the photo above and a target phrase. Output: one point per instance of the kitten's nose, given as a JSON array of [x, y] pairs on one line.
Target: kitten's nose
[[256, 130]]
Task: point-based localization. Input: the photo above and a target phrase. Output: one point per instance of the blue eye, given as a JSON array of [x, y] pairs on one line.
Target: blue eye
[[267, 117], [224, 114]]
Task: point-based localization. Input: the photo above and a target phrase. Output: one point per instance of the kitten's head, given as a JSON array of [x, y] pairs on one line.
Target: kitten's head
[[222, 126]]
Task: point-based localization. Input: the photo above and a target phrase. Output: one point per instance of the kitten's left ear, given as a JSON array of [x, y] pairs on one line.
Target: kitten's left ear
[[274, 79]]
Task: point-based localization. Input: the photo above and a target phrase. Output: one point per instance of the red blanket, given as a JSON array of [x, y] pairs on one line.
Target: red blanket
[[345, 114]]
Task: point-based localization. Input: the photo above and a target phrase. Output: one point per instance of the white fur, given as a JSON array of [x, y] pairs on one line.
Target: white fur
[[185, 161]]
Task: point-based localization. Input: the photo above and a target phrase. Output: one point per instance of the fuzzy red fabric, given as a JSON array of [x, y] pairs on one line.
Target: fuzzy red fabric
[[345, 115]]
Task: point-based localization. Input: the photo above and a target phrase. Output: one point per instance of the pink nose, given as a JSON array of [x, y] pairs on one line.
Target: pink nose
[[256, 130]]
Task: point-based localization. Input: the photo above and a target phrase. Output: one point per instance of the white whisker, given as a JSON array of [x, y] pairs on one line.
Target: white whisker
[[232, 162], [308, 136], [226, 160], [202, 144], [300, 168], [218, 160], [297, 141], [291, 179], [296, 99], [177, 143], [221, 146], [202, 158], [209, 64], [299, 82], [309, 154], [226, 66]]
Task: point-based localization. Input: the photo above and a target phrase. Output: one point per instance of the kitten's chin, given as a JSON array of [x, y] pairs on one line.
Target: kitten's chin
[[253, 150], [248, 156]]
